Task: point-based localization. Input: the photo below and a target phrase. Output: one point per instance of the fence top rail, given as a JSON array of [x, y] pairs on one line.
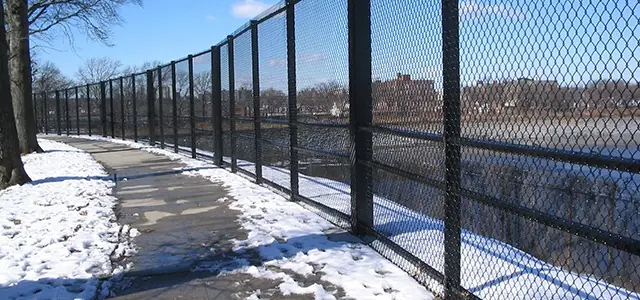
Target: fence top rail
[[273, 10], [181, 59], [208, 51], [246, 26]]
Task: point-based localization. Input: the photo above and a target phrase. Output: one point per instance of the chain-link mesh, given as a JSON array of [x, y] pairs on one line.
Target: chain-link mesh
[[117, 109], [243, 114], [182, 104], [226, 113], [156, 106], [322, 103], [504, 134], [64, 105], [272, 62], [129, 100], [37, 111], [71, 108], [142, 107], [407, 121], [94, 107], [50, 108], [203, 103], [109, 106], [554, 76], [166, 102], [83, 106]]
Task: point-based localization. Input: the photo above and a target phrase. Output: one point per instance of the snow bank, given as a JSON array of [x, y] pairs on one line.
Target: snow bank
[[58, 232]]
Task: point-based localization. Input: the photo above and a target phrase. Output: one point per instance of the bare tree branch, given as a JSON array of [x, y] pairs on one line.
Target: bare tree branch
[[93, 17], [47, 77], [98, 69]]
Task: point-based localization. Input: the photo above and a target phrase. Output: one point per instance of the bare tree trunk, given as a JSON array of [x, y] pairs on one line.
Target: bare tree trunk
[[11, 168], [20, 68]]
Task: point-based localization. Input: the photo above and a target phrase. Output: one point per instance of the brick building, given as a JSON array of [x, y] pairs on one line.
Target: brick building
[[404, 95]]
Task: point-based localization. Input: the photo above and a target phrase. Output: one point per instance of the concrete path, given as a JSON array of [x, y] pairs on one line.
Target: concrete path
[[181, 225]]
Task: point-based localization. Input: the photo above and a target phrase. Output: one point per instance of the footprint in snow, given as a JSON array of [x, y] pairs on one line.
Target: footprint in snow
[[390, 290], [382, 272]]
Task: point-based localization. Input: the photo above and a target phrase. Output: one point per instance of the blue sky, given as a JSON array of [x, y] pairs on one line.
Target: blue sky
[[161, 30], [569, 41]]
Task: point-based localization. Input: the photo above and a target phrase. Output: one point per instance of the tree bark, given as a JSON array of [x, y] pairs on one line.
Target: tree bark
[[20, 75], [11, 168]]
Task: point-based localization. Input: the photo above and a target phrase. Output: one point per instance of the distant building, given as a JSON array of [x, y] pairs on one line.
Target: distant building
[[521, 94], [611, 94], [403, 95]]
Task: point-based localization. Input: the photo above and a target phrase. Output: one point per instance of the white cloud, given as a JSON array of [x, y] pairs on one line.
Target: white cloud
[[311, 57], [472, 9], [276, 62], [246, 9], [211, 18]]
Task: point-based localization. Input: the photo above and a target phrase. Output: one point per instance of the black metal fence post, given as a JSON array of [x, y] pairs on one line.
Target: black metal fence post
[[77, 111], [66, 112], [45, 112], [122, 112], [216, 100], [174, 99], [89, 109], [58, 114], [111, 114], [160, 109], [451, 112], [232, 105], [134, 107], [293, 94], [103, 108], [360, 114], [256, 99], [151, 110], [192, 108]]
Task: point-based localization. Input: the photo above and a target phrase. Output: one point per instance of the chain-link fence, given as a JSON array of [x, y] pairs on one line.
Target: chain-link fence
[[489, 148]]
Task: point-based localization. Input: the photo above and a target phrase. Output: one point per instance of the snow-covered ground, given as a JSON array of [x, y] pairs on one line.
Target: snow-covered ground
[[58, 233], [490, 268]]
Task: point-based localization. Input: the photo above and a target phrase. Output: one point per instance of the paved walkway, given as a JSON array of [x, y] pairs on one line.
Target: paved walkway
[[181, 225]]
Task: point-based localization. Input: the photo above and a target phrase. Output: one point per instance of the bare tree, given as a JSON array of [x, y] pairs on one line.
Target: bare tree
[[98, 69], [11, 168], [321, 97], [273, 103], [20, 73], [44, 20], [182, 88], [47, 77], [202, 91], [127, 71]]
